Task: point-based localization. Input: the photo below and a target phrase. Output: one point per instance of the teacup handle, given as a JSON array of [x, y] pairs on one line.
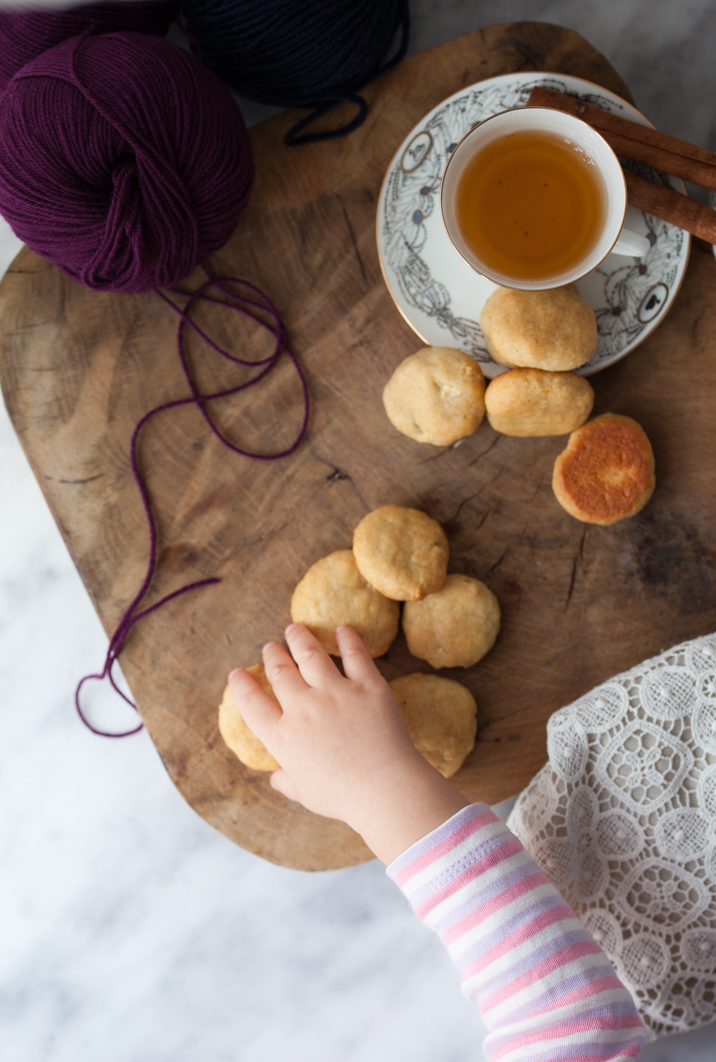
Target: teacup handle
[[631, 245]]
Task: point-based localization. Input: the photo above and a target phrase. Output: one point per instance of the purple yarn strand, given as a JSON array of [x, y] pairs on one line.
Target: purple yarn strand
[[113, 656], [270, 362], [276, 327]]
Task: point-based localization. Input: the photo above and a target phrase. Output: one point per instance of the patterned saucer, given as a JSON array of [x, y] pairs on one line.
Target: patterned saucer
[[441, 297]]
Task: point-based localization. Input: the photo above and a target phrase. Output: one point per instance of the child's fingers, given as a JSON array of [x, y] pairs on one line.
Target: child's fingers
[[313, 661], [258, 710], [357, 662], [281, 782], [282, 673]]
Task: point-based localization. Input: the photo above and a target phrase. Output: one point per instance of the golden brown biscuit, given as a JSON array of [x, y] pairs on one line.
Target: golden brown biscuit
[[401, 552], [455, 626], [333, 592], [554, 329], [242, 741], [607, 471], [532, 402], [441, 717], [436, 396]]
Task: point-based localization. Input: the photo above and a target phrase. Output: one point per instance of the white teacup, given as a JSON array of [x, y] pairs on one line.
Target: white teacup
[[614, 238]]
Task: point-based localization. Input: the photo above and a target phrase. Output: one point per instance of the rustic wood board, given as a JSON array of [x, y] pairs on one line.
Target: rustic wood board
[[579, 603]]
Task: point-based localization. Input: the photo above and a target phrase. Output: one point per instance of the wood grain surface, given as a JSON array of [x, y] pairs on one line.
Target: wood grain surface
[[579, 602]]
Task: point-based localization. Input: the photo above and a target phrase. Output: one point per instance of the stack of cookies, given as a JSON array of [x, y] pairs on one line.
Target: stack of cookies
[[438, 396], [606, 473], [399, 555]]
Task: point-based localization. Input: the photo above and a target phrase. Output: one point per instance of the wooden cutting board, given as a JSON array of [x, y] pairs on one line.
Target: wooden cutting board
[[579, 602]]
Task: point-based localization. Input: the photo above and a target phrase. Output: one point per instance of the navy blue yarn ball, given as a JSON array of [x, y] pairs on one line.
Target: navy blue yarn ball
[[298, 53]]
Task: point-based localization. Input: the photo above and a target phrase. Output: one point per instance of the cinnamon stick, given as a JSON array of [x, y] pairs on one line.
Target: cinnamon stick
[[670, 206], [640, 143]]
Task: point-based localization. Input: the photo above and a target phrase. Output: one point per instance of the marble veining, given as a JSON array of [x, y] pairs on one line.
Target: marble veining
[[129, 930]]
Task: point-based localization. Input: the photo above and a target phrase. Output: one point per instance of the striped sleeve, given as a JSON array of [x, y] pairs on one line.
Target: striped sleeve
[[545, 989]]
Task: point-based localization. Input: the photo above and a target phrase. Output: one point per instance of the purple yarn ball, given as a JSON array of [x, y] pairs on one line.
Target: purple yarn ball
[[27, 33], [122, 160]]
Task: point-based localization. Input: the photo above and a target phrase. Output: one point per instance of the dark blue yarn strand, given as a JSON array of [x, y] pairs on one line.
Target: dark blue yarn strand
[[292, 139], [316, 53]]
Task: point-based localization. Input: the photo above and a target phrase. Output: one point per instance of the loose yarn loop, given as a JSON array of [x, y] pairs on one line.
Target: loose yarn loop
[[123, 160], [25, 34], [313, 54], [250, 301]]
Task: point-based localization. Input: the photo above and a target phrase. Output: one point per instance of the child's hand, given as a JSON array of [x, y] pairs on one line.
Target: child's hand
[[342, 744], [335, 734]]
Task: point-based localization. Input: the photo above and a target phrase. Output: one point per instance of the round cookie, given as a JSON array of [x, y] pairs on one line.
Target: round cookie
[[333, 592], [441, 718], [242, 741], [606, 472], [401, 552], [455, 626], [436, 395], [533, 402], [553, 329]]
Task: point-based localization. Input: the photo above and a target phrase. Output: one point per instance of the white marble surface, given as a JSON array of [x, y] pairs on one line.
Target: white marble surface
[[129, 930]]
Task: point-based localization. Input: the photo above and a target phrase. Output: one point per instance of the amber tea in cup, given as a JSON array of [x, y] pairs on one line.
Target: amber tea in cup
[[534, 198], [531, 205]]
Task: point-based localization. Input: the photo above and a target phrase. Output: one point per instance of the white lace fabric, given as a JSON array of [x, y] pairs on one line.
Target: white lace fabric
[[623, 820]]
